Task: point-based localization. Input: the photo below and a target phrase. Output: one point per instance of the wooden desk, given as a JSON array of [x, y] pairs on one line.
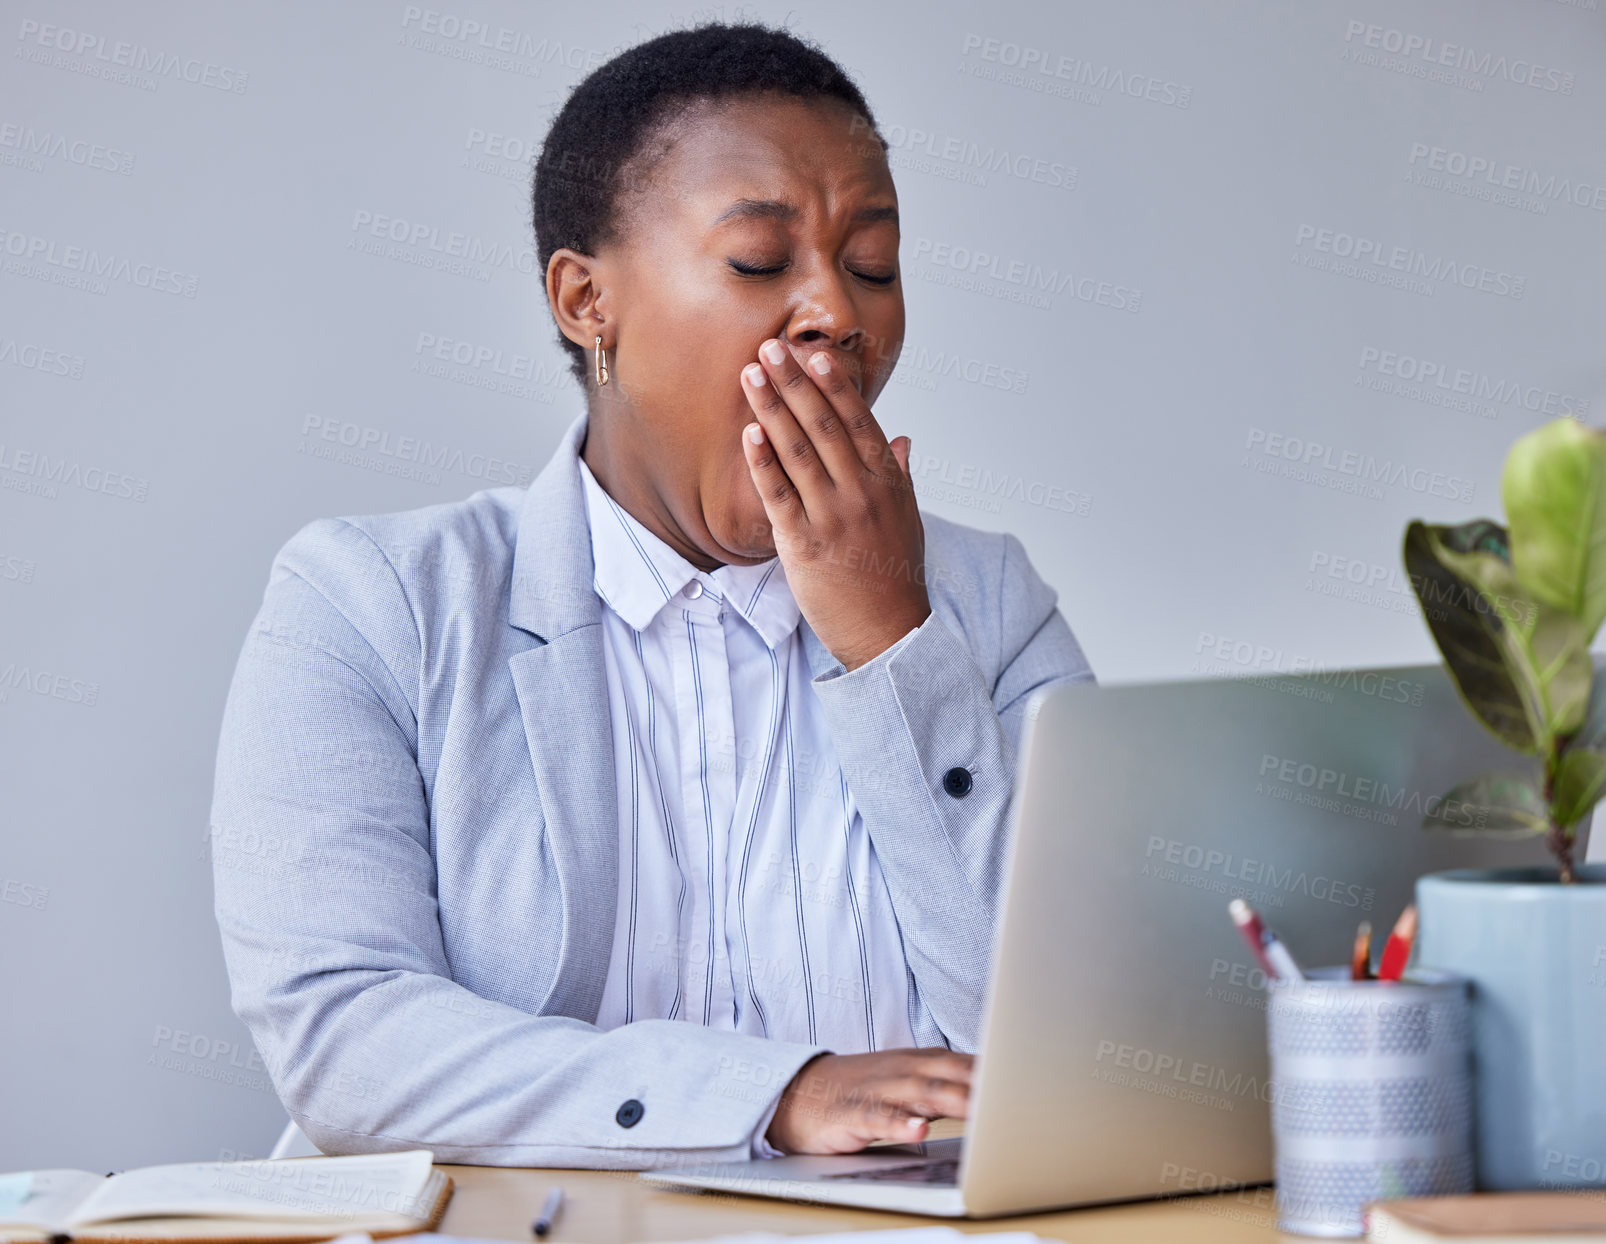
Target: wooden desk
[[613, 1207]]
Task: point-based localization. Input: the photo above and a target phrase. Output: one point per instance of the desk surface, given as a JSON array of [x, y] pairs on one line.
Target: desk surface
[[610, 1207]]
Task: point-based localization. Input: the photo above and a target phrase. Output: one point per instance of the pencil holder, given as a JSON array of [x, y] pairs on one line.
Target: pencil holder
[[1371, 1094]]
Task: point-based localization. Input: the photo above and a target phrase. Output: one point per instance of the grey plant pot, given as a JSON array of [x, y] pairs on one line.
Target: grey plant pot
[[1535, 951]]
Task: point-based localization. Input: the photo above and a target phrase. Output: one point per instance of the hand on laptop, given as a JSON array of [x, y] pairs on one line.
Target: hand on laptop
[[839, 1103]]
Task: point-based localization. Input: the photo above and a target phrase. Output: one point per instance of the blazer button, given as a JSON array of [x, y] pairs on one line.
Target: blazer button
[[629, 1114], [957, 782]]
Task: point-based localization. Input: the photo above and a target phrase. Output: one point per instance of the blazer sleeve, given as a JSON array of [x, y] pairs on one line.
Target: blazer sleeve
[[325, 897], [930, 707]]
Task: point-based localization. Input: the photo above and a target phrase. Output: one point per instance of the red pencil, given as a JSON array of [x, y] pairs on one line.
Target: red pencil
[[1398, 949]]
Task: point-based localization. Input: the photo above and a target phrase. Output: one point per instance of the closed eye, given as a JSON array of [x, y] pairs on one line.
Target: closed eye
[[751, 270]]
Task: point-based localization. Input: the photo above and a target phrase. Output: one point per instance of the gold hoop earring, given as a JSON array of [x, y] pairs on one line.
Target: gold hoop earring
[[601, 359]]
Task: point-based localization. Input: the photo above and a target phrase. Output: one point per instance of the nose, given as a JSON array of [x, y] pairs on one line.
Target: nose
[[826, 319]]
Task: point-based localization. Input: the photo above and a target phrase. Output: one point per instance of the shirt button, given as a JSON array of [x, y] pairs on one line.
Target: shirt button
[[694, 589], [957, 782], [629, 1114]]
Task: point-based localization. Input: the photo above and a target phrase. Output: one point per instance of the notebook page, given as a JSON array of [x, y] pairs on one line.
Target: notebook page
[[891, 1235], [49, 1197], [336, 1188]]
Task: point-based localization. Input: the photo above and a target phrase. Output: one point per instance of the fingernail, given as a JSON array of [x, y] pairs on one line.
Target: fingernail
[[821, 363], [772, 351], [755, 434], [915, 1122], [755, 375]]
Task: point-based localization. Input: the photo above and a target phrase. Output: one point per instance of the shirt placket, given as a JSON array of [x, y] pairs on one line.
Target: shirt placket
[[704, 713]]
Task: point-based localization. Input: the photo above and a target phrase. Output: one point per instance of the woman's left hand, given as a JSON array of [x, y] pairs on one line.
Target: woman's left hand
[[840, 501]]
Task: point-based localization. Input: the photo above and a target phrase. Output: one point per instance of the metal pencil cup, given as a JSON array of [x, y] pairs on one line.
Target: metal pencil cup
[[1371, 1094]]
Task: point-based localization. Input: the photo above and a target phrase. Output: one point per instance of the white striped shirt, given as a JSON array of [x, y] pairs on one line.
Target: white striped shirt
[[740, 845]]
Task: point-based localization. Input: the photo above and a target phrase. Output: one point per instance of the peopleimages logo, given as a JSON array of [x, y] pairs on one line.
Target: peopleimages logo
[[964, 367], [14, 353], [1240, 870], [1365, 468], [136, 57], [1408, 261], [1427, 50], [1465, 382], [1502, 175], [43, 682], [412, 450], [1046, 63], [1031, 279], [30, 471], [1324, 780], [84, 267], [440, 247], [910, 146], [24, 143], [504, 39]]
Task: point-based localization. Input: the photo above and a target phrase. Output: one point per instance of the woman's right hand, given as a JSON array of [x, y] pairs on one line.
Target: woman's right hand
[[839, 1103]]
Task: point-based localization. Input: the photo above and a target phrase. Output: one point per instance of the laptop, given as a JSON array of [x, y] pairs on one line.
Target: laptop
[[1123, 1048]]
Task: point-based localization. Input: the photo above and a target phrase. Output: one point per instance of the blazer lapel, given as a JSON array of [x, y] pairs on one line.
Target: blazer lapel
[[563, 699]]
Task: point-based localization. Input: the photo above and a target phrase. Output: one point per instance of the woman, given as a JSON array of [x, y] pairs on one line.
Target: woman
[[655, 812]]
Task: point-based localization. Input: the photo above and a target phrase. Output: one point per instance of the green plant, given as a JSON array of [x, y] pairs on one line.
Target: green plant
[[1513, 613]]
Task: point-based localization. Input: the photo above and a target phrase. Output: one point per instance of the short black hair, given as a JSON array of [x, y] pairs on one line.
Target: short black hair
[[597, 138]]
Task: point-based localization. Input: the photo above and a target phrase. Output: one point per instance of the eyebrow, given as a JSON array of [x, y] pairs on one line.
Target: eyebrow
[[775, 209]]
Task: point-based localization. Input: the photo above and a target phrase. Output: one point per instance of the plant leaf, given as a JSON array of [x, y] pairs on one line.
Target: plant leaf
[[1486, 659], [1580, 781], [1553, 641], [1502, 804], [1581, 768], [1560, 644], [1554, 490]]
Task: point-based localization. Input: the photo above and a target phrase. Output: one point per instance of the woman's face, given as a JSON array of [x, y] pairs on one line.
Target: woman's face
[[766, 216]]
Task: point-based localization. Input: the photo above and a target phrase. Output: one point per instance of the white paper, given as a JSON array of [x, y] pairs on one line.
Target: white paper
[[14, 1190], [337, 1188], [893, 1235], [49, 1198]]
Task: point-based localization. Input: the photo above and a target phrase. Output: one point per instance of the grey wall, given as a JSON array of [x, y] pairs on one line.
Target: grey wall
[[1204, 303]]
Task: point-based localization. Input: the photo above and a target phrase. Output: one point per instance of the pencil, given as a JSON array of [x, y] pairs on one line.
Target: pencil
[[1360, 967], [1397, 951]]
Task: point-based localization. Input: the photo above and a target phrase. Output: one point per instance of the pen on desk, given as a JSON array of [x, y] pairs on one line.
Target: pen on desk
[[1248, 922], [1360, 965], [549, 1212], [1397, 951]]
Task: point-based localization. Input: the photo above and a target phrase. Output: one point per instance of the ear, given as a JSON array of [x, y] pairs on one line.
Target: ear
[[575, 292]]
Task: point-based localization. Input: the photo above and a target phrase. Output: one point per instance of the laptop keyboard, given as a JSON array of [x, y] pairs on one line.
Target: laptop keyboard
[[938, 1171]]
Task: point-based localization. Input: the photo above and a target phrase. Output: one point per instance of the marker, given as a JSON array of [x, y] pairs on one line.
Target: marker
[[549, 1211], [1398, 949]]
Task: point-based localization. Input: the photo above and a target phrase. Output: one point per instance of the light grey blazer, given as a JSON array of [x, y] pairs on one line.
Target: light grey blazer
[[415, 840]]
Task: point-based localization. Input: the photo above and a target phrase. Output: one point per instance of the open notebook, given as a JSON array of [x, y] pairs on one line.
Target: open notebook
[[284, 1200]]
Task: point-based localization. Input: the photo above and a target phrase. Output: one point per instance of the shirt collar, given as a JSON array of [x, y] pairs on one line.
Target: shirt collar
[[762, 595], [636, 574]]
